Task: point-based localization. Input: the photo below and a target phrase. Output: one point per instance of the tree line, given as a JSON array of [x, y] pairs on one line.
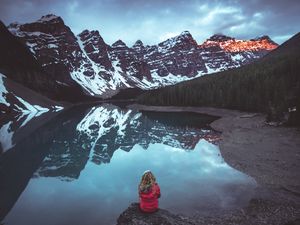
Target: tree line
[[270, 85]]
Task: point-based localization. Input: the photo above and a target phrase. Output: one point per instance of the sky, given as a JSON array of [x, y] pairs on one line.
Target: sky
[[153, 21]]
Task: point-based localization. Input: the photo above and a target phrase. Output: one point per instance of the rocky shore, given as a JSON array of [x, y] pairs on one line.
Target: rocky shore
[[271, 155]]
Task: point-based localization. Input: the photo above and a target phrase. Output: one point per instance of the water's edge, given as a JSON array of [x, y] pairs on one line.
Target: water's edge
[[254, 148]]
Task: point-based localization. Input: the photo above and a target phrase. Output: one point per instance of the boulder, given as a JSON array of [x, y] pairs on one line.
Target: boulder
[[134, 216]]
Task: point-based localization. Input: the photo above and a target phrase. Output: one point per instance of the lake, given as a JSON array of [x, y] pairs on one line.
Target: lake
[[83, 166]]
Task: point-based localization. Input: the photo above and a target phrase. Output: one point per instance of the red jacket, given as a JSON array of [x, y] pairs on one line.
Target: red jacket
[[149, 200]]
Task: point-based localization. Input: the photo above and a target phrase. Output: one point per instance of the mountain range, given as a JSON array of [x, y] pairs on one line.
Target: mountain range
[[86, 66], [270, 85]]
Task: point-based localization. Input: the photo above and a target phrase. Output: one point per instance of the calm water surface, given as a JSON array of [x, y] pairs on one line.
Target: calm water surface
[[84, 166]]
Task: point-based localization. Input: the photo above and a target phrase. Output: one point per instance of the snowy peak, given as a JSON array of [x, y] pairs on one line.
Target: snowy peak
[[185, 35], [139, 48], [266, 39], [138, 45], [49, 24], [219, 38], [50, 18], [92, 36], [184, 40], [230, 44], [95, 48], [92, 41], [87, 32], [119, 44], [14, 25]]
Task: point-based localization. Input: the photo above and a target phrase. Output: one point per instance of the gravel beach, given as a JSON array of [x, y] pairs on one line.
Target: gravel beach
[[271, 155]]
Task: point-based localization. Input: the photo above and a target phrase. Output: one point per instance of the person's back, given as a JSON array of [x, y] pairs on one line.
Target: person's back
[[149, 192]]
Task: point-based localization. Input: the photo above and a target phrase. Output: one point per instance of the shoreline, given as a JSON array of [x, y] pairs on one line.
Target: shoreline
[[271, 155], [246, 134]]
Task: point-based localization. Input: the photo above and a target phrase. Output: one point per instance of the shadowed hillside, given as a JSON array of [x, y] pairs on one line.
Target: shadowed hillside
[[19, 64]]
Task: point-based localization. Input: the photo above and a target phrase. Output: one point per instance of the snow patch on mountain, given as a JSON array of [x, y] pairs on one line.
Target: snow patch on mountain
[[210, 69], [47, 18], [30, 111], [237, 57], [171, 42], [57, 108], [26, 117], [92, 84], [118, 80], [159, 81], [96, 84], [31, 108], [167, 80], [3, 91], [19, 104], [6, 135]]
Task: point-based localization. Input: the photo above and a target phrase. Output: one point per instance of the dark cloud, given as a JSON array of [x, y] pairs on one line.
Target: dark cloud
[[155, 20]]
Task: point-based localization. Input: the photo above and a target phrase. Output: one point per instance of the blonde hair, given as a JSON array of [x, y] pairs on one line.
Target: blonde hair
[[147, 181]]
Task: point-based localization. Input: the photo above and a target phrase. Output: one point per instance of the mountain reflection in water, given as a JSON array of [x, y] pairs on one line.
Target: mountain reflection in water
[[104, 129], [102, 152]]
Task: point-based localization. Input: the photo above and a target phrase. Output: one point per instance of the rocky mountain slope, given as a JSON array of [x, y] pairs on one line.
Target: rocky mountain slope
[[270, 85], [24, 105], [19, 64], [102, 70], [14, 98]]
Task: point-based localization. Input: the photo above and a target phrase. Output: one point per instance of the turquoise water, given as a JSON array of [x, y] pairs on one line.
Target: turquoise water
[[89, 161]]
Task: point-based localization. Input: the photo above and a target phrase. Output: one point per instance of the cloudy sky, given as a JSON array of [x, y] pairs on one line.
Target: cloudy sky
[[153, 21]]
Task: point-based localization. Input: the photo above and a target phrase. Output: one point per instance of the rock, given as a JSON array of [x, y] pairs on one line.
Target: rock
[[133, 216]]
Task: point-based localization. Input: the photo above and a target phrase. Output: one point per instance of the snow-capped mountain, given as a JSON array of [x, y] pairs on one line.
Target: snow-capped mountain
[[19, 64], [102, 70], [230, 52]]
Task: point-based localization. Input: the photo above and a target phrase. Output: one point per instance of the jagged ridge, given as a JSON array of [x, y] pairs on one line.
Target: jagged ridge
[[102, 70]]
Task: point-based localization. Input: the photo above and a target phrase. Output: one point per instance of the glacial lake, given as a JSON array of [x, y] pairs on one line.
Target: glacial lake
[[83, 166]]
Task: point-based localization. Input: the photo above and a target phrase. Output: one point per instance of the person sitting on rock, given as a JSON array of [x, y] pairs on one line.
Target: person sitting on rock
[[149, 192]]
